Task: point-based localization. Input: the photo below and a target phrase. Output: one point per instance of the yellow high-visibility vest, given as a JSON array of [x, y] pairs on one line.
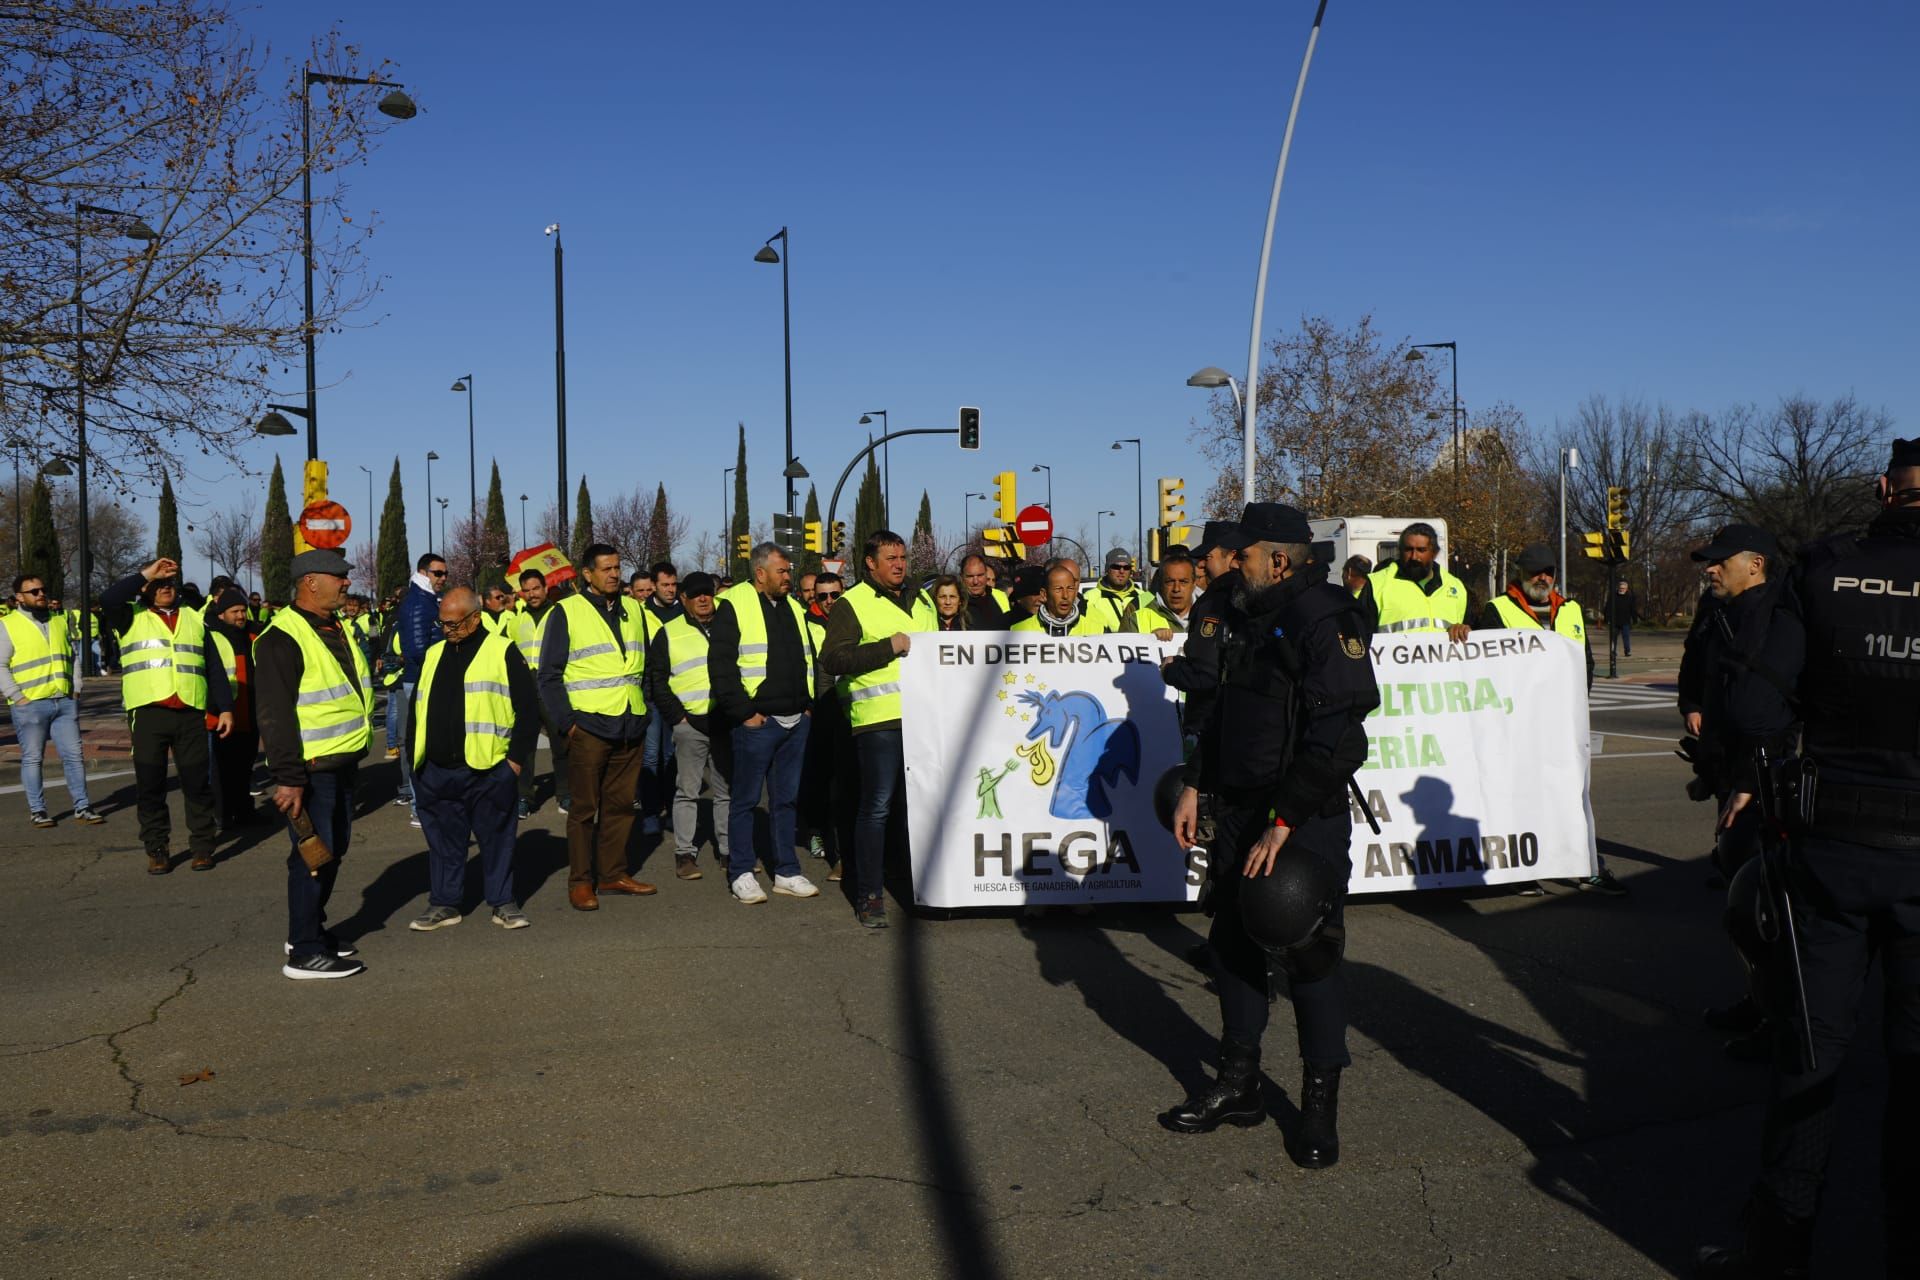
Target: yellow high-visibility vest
[[753, 635], [1566, 619], [1084, 625], [157, 663], [335, 717], [874, 698], [1405, 607], [487, 711], [603, 678], [687, 666], [42, 662]]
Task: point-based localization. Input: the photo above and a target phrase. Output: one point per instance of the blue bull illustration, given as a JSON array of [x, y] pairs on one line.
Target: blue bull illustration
[[1101, 753]]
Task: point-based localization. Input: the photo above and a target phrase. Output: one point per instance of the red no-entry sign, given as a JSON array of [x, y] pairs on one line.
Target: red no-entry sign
[[325, 525], [1033, 526]]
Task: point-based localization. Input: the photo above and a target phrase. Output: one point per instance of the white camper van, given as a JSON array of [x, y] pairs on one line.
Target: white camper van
[[1375, 537]]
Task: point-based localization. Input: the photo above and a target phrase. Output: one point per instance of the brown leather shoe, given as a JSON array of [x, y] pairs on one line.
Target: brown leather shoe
[[158, 864], [687, 868], [582, 898], [627, 884], [202, 862]]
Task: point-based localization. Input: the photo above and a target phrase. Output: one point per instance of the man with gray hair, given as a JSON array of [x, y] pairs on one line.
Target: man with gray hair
[[761, 662]]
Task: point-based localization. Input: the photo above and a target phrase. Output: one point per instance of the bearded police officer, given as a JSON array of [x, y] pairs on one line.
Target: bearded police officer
[[1278, 752], [1854, 879]]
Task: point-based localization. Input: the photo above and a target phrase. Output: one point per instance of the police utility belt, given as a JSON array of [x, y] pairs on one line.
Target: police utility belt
[[1888, 817]]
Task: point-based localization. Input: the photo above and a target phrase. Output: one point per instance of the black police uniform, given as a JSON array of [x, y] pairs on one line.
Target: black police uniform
[[1283, 739], [1856, 880], [1195, 670]]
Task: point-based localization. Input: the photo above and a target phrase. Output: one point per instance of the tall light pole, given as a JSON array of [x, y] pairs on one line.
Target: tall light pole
[[1569, 461], [769, 254], [523, 522], [138, 231], [369, 514], [1140, 499], [1213, 377], [886, 464], [432, 458], [1413, 353], [465, 383], [443, 525], [1041, 466], [559, 380], [1266, 254], [393, 103], [966, 515], [726, 511], [1099, 535]]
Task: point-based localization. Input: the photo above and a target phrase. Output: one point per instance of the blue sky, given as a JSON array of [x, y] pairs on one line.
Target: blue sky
[[1053, 211]]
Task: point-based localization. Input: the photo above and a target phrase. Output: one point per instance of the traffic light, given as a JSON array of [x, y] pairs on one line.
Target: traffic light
[[1001, 543], [743, 547], [1595, 545], [1616, 506], [1173, 501], [837, 541], [969, 427], [1006, 504], [1620, 545], [813, 542]]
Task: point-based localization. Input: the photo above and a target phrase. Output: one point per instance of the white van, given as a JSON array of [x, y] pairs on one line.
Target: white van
[[1375, 537]]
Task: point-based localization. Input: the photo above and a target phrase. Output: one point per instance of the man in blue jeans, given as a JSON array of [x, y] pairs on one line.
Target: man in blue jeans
[[760, 664], [36, 675]]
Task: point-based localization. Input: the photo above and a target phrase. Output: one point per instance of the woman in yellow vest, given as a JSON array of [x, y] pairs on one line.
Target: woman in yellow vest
[[36, 674], [867, 632]]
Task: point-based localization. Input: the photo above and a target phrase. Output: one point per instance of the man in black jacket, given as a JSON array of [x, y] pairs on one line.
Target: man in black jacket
[[681, 695]]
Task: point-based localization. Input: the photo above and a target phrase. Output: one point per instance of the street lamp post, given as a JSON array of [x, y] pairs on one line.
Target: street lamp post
[[966, 515], [1213, 377], [443, 525], [559, 381], [769, 254], [1099, 535], [523, 521], [1041, 466], [726, 512], [465, 384], [1569, 461], [393, 103], [432, 458], [1413, 353], [369, 514], [138, 231], [1140, 498], [886, 464]]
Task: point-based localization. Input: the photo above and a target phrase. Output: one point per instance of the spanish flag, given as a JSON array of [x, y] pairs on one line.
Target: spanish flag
[[547, 560]]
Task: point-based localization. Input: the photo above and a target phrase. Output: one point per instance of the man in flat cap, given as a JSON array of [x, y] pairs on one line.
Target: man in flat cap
[[1277, 753], [313, 698], [1852, 870]]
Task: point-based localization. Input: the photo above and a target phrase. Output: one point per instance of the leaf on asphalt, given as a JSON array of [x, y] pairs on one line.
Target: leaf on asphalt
[[204, 1073]]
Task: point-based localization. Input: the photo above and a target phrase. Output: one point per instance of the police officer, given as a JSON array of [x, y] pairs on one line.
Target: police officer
[[1195, 670], [1532, 604], [1854, 876], [1278, 752], [1751, 639], [1416, 593], [313, 697]]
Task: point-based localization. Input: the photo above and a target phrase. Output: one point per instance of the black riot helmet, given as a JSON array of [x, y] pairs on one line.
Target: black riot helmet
[[1289, 912], [1753, 923]]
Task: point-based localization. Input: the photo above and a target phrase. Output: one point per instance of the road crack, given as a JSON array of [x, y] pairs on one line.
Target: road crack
[[1433, 1222]]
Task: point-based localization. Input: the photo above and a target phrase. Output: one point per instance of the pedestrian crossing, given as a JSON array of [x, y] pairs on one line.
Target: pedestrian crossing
[[1630, 697]]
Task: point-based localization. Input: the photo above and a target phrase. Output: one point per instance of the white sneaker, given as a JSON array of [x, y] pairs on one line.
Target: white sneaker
[[747, 889], [795, 887]]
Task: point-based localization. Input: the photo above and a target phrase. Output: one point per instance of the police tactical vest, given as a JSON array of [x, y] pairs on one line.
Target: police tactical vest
[[1405, 607], [42, 663], [874, 698], [1563, 618], [487, 710], [1860, 689], [752, 617], [687, 666], [602, 678], [158, 663], [335, 717]]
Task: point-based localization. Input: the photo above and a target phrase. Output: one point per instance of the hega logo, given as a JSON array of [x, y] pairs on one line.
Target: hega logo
[[1071, 743]]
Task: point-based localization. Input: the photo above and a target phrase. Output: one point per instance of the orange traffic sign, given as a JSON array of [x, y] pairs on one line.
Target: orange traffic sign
[[325, 525]]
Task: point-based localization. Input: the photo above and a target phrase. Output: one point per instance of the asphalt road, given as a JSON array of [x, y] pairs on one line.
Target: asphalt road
[[683, 1086]]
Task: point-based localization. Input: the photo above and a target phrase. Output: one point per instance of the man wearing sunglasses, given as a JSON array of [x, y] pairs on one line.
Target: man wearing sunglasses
[[36, 675], [417, 628]]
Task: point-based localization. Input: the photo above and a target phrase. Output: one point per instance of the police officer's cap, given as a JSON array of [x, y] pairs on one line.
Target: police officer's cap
[[1538, 558], [1029, 580], [1734, 539], [1906, 453], [1224, 534], [1273, 522], [317, 560]]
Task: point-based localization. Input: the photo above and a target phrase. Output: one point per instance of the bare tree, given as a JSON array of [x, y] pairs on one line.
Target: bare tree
[[1801, 470], [620, 521], [230, 540], [171, 114]]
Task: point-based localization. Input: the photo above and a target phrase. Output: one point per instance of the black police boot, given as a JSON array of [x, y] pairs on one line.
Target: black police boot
[[1316, 1139], [1232, 1099], [1772, 1247]]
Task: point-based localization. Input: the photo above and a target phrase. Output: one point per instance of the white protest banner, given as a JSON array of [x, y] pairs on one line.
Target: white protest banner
[[1031, 763], [1477, 763]]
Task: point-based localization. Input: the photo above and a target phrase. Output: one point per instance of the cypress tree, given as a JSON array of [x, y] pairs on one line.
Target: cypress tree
[[659, 528], [395, 565], [168, 544], [41, 553], [742, 519], [582, 525], [923, 557], [809, 561], [496, 543], [276, 543], [867, 511]]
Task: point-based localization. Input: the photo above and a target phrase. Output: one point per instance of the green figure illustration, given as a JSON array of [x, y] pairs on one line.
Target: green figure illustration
[[989, 789]]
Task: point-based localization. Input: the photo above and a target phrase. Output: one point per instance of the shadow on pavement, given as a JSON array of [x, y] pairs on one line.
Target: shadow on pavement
[[591, 1253], [385, 896]]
